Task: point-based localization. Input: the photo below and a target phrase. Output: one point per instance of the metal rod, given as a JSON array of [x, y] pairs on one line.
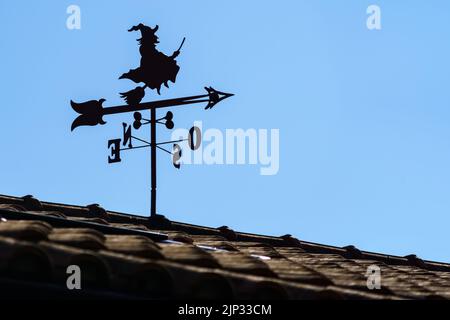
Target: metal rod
[[160, 148], [138, 147], [155, 104], [153, 162], [141, 140], [167, 142]]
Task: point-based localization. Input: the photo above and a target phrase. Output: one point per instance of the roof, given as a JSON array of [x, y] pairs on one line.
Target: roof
[[128, 256]]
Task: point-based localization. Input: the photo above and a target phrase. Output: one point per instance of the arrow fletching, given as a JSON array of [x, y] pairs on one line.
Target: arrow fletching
[[91, 113]]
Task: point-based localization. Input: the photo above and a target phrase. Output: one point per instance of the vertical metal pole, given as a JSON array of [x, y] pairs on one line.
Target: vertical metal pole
[[153, 162]]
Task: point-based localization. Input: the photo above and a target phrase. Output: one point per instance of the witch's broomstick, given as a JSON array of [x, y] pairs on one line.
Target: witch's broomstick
[[176, 53]]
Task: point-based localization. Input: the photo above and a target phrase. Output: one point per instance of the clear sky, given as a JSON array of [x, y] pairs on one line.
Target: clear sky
[[363, 115]]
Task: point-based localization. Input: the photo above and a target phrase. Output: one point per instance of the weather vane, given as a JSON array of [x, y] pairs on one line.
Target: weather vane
[[156, 69]]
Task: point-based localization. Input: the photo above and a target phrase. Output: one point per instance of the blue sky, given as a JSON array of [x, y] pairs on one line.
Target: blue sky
[[363, 115]]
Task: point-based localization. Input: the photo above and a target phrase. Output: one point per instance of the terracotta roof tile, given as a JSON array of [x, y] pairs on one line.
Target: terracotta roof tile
[[188, 254], [80, 238], [25, 230], [241, 262], [134, 245]]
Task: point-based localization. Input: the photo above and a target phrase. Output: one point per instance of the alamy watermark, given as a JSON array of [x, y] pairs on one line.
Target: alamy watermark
[[73, 21], [373, 275], [232, 147], [374, 20], [74, 279]]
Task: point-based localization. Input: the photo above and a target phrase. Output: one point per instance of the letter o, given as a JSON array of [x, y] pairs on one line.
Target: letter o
[[198, 138]]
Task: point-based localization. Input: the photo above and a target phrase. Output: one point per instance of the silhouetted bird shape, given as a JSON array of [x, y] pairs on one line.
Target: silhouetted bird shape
[[134, 96], [155, 68]]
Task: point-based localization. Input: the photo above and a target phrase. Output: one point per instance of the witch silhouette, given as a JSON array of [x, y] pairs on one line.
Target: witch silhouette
[[156, 68]]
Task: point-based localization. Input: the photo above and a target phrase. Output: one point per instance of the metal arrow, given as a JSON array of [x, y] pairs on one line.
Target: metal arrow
[[92, 112]]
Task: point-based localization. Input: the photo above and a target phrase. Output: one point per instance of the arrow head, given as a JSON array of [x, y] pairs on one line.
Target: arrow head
[[215, 97]]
